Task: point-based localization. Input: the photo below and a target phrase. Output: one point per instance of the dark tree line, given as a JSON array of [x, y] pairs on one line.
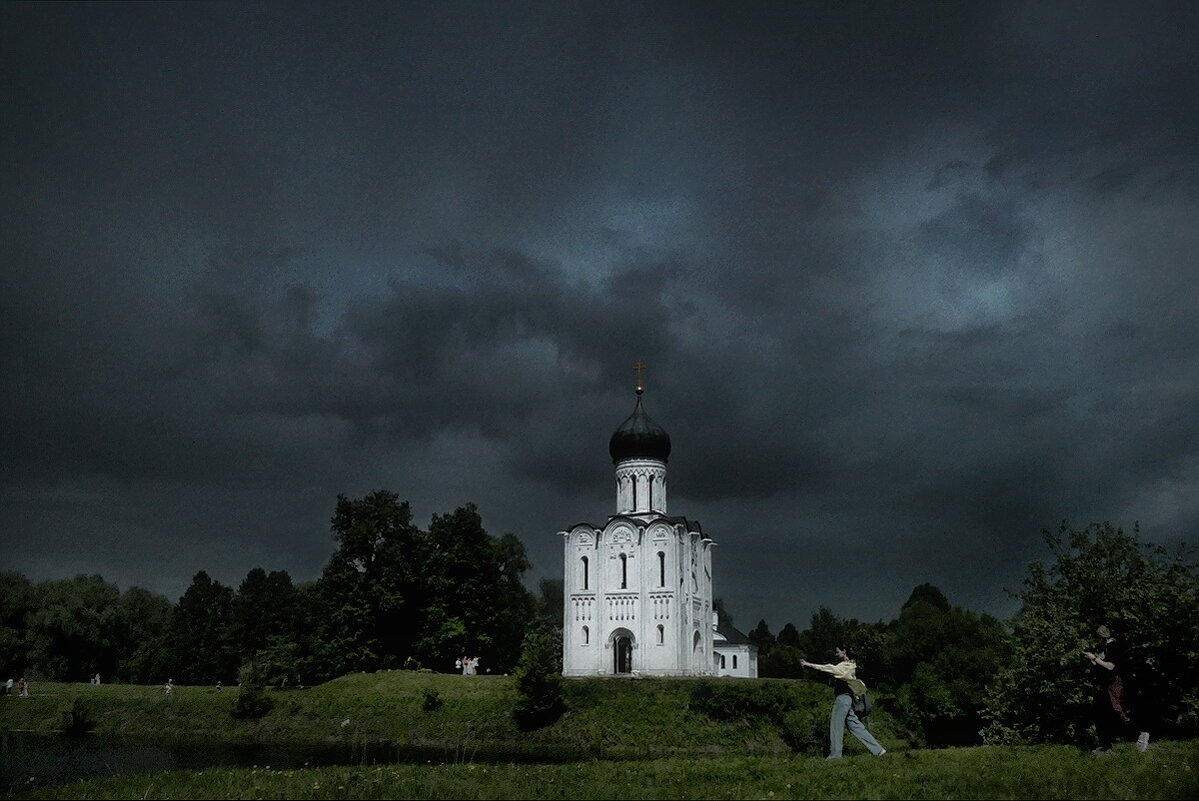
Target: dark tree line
[[391, 593]]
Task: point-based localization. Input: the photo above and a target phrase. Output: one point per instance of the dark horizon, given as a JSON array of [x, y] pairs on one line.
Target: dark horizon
[[913, 282]]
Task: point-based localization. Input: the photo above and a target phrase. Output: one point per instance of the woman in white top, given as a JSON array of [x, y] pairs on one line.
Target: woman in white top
[[845, 686]]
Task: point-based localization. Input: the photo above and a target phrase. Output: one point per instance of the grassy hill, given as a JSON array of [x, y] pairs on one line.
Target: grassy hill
[[608, 718]]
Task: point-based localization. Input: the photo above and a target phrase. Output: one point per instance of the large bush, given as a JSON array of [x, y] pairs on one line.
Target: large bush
[[1148, 598], [540, 697]]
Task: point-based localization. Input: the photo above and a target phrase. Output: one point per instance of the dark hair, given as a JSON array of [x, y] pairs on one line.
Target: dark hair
[[848, 651]]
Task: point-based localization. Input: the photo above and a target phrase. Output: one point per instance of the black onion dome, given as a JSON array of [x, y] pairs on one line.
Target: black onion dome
[[639, 437]]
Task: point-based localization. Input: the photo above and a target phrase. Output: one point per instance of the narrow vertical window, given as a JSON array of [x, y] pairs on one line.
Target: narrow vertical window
[[649, 483], [722, 661], [661, 634], [634, 480], [584, 572], [734, 661], [586, 636], [661, 569], [624, 572]]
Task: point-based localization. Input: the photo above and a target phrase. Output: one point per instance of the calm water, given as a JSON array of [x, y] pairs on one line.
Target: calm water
[[35, 760]]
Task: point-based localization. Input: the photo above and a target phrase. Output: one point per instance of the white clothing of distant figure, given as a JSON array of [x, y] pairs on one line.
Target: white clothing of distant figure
[[8, 687], [170, 688], [846, 686]]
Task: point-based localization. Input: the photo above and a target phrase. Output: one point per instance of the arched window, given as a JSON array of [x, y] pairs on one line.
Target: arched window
[[624, 572], [649, 483], [734, 661], [584, 560], [661, 634], [634, 480], [722, 661], [586, 636], [661, 569]]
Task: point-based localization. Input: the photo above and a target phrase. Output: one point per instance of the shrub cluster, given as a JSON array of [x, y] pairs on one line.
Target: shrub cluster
[[800, 727]]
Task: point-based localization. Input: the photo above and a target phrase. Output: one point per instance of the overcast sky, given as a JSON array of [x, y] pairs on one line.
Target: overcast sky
[[913, 281]]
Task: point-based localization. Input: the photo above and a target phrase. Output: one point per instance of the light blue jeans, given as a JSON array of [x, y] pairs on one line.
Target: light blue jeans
[[843, 714]]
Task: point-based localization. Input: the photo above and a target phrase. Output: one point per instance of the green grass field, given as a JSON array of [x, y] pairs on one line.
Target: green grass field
[[1050, 772], [623, 738], [609, 718]]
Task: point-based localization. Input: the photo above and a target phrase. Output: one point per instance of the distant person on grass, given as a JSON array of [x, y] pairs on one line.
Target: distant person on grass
[[1113, 701], [845, 686]]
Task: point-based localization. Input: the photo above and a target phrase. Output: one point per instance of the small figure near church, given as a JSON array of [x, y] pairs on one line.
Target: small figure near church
[[8, 687], [170, 687], [22, 688], [846, 685]]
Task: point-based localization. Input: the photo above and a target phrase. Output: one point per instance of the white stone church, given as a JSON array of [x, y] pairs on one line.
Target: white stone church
[[638, 592]]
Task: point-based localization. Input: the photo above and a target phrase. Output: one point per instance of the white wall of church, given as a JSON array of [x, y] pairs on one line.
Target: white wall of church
[[642, 578]]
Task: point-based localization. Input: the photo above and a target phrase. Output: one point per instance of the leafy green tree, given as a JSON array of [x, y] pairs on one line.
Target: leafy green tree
[[371, 587], [789, 635], [478, 603], [782, 661], [263, 610], [550, 602], [927, 593], [392, 591], [940, 659], [761, 637], [825, 633], [18, 600], [76, 630], [144, 617], [1099, 574], [541, 698], [199, 636]]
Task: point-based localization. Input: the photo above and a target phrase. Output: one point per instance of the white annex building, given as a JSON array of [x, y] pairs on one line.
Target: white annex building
[[734, 653], [638, 591]]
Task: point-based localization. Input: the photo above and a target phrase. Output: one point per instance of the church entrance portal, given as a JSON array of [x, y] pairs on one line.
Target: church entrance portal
[[623, 655]]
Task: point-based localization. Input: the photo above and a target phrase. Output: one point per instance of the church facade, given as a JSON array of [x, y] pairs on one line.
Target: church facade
[[638, 590]]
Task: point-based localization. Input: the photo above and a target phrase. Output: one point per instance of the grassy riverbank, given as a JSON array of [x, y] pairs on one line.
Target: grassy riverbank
[[1167, 771], [609, 718]]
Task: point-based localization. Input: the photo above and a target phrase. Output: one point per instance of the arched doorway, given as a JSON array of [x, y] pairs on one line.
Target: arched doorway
[[622, 652]]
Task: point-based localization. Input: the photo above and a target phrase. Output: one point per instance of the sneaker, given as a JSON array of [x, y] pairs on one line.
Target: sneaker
[[831, 758], [1143, 742], [880, 753]]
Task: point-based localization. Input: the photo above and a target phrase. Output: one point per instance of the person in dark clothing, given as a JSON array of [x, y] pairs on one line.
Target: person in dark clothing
[[1113, 692]]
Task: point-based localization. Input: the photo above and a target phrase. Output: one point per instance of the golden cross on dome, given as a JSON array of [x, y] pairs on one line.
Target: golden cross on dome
[[638, 368]]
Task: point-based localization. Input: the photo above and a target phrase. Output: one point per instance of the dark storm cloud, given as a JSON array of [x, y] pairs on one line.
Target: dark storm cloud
[[912, 281]]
